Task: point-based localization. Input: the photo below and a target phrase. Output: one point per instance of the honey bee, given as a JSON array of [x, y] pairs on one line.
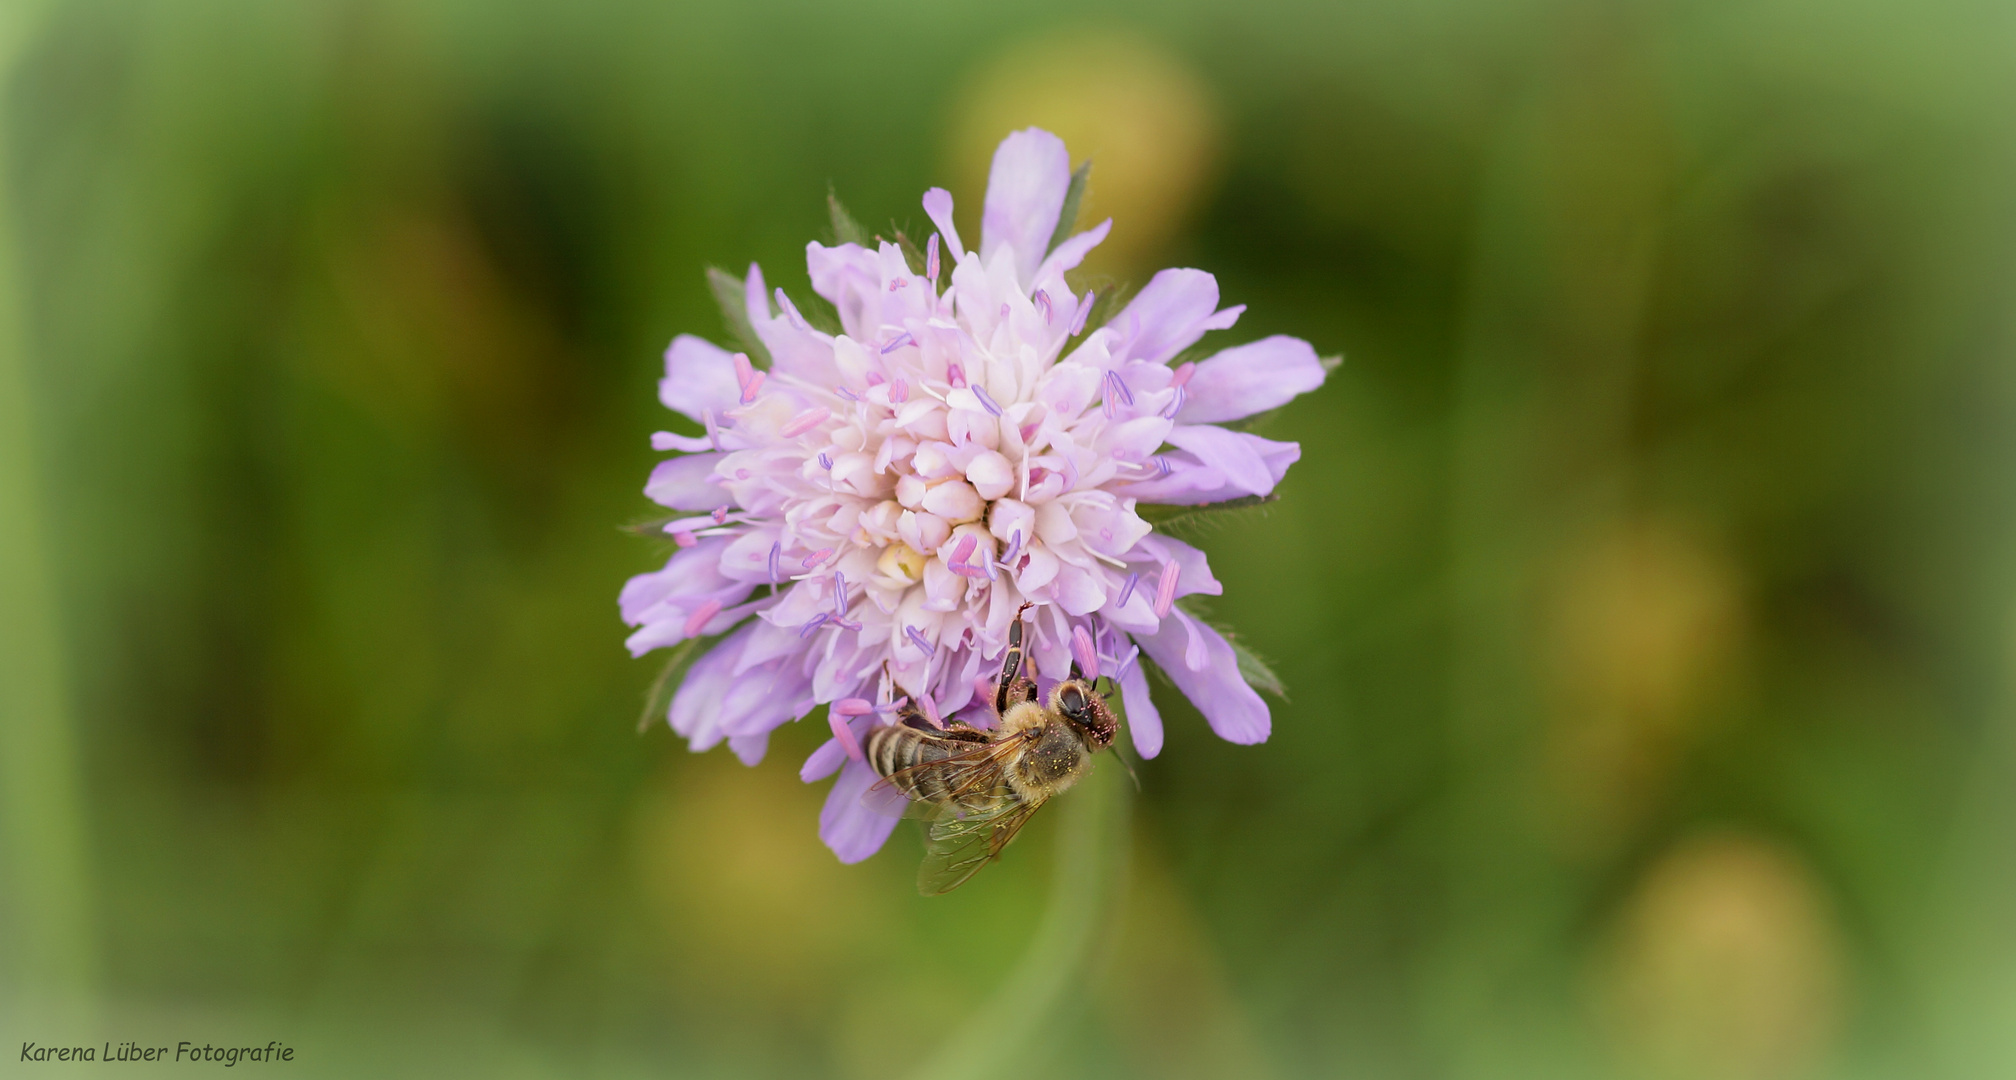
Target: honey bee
[[976, 789]]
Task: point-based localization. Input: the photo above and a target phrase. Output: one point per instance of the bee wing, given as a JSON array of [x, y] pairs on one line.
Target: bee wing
[[955, 848], [963, 777]]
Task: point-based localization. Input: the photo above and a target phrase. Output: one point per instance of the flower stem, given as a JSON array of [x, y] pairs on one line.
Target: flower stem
[[1091, 848]]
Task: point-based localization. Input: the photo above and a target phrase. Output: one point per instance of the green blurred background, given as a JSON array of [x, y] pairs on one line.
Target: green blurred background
[[1644, 592]]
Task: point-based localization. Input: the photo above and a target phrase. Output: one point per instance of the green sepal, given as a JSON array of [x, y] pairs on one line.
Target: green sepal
[[733, 298], [1067, 218], [1166, 517], [913, 256], [846, 230], [1255, 670], [683, 655]]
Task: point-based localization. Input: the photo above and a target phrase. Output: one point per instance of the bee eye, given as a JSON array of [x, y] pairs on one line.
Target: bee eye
[[1073, 701]]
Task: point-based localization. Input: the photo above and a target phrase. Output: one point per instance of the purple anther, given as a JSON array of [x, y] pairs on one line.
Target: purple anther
[[1117, 386], [986, 400], [837, 720], [840, 592], [701, 616], [1127, 590], [818, 556], [1042, 300], [1161, 466], [684, 539], [824, 461], [744, 371], [846, 624], [901, 340], [916, 637], [791, 311], [1084, 312], [776, 555], [931, 257], [899, 392], [964, 547], [1083, 652], [806, 421], [1126, 662], [898, 283], [1014, 549], [955, 375], [1176, 403], [1110, 407], [931, 707], [988, 566], [720, 515], [813, 624], [753, 387], [1165, 593], [846, 393]]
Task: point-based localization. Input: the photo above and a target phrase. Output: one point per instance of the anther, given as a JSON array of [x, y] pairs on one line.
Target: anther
[[818, 556], [955, 375], [901, 340], [701, 616], [931, 258], [986, 400], [753, 387], [844, 734], [1082, 651], [899, 392], [791, 311], [1165, 594], [824, 461], [916, 637], [898, 283], [1042, 300], [1084, 312], [684, 539], [812, 624], [840, 592], [1127, 590], [720, 515], [806, 421], [776, 554]]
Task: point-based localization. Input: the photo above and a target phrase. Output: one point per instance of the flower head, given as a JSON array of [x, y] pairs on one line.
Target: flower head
[[894, 493]]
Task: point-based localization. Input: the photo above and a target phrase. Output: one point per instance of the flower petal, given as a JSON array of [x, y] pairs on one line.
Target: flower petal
[[1025, 193], [1144, 724], [1230, 452], [1071, 252], [1251, 378], [687, 483], [1170, 315], [938, 207], [1215, 686], [846, 823], [699, 375]]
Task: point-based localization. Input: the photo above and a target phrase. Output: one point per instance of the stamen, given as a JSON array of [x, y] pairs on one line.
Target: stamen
[[955, 375], [776, 554], [931, 258], [901, 340], [964, 547], [744, 371], [930, 706], [852, 706], [1082, 651], [1176, 403], [967, 570], [846, 624], [986, 401], [720, 515], [1165, 595], [812, 624], [1084, 312], [753, 387], [1042, 300], [899, 392], [1117, 385], [846, 393], [1161, 466], [818, 556], [825, 462], [844, 734], [684, 539], [875, 378], [1028, 430], [916, 637], [840, 593], [1127, 590], [701, 616], [1120, 668], [898, 283], [1014, 549], [791, 311], [988, 566], [806, 421]]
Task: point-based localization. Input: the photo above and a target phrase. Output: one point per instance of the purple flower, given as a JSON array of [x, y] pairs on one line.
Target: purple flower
[[895, 492]]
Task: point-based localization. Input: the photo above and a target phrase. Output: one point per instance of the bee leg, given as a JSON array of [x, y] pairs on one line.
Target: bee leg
[[1008, 692]]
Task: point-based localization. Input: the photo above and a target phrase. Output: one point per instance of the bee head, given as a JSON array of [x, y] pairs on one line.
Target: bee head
[[1087, 712]]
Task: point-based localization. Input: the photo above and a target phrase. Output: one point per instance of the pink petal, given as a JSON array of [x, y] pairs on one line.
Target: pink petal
[[1230, 452], [1025, 193], [1233, 708], [1251, 378]]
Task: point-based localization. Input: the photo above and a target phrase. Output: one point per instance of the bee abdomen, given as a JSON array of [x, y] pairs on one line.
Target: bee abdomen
[[897, 752]]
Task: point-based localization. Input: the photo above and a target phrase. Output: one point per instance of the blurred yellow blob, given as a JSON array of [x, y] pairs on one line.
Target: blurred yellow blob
[[1144, 119], [1643, 619], [1726, 964]]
